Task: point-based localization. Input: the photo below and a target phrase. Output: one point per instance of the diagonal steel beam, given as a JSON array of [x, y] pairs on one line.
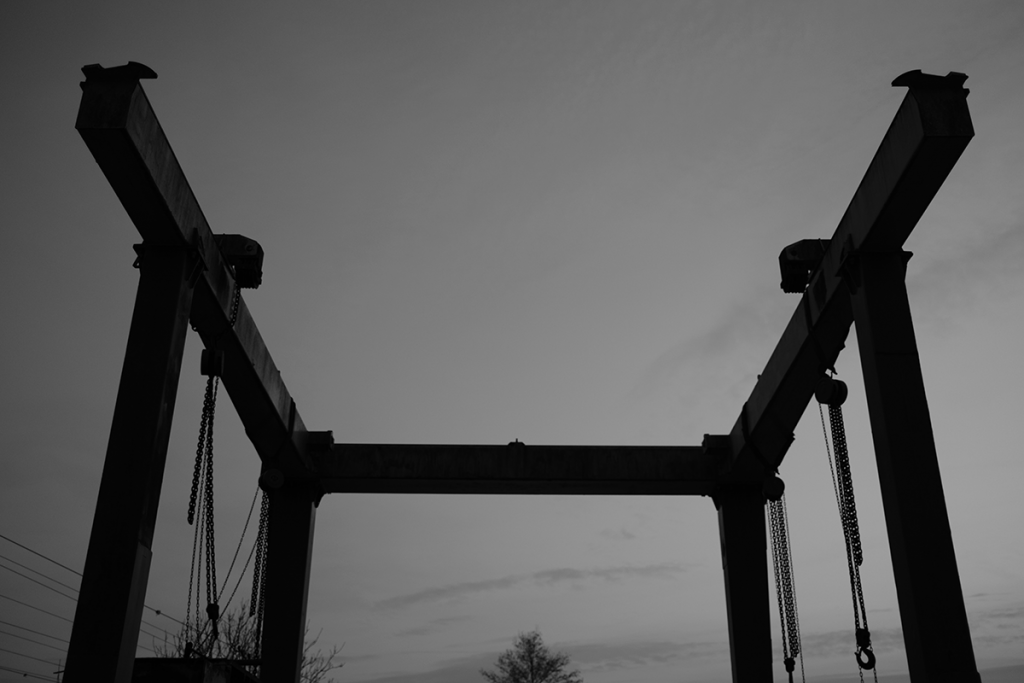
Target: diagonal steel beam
[[926, 138], [121, 130], [119, 127]]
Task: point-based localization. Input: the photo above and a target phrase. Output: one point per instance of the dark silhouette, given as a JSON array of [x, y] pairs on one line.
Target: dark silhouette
[[530, 661]]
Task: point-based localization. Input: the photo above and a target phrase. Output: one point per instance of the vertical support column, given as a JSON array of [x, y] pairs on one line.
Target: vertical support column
[[741, 526], [935, 629], [289, 555], [110, 604]]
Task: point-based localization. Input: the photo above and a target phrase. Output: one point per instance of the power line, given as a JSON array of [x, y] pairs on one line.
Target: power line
[[25, 576], [5, 597], [15, 635], [64, 566], [25, 673], [158, 628], [74, 571], [38, 633], [162, 614], [23, 566], [144, 631], [44, 661]]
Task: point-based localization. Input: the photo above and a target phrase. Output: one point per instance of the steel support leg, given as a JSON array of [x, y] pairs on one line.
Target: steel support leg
[[741, 526], [289, 554], [935, 630], [110, 604]]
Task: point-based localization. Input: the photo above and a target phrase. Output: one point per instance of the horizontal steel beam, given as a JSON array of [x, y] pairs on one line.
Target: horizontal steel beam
[[926, 138], [517, 469], [121, 130]]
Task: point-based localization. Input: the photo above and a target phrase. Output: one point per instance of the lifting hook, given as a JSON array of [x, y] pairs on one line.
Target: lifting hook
[[869, 663], [864, 648]]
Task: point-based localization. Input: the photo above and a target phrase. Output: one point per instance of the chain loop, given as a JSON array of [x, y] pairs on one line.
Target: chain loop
[[200, 505], [782, 560], [208, 404], [211, 554], [842, 485], [259, 571]]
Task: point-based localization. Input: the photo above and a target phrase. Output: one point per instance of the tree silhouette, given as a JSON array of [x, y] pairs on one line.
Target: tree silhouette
[[530, 661], [238, 641]]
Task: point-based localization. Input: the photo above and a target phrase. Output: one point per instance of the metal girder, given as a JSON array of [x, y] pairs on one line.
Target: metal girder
[[121, 130], [289, 560], [745, 568], [517, 469], [936, 632], [931, 129], [110, 602]]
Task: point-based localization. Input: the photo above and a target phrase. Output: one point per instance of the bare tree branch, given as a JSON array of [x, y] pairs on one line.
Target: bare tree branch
[[238, 642], [530, 661]]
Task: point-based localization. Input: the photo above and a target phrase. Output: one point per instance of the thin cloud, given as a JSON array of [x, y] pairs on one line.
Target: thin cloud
[[987, 268], [704, 379], [357, 658], [594, 657], [714, 343], [940, 291], [546, 577], [621, 534], [461, 670], [999, 626], [432, 626], [843, 642]]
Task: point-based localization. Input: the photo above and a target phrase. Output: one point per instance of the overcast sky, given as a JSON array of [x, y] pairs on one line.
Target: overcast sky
[[555, 222]]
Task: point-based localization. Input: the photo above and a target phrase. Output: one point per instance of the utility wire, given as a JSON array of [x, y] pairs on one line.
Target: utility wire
[[15, 635], [35, 581], [227, 579], [75, 571], [144, 631], [67, 620], [38, 573], [24, 674], [5, 597], [64, 566], [44, 661], [166, 632], [162, 614], [38, 633]]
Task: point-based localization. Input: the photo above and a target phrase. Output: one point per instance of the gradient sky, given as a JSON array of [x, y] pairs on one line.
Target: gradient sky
[[486, 221]]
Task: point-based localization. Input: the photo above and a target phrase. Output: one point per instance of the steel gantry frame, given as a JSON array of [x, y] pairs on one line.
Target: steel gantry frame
[[185, 278]]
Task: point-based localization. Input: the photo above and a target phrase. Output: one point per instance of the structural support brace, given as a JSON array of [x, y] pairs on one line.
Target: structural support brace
[[109, 612], [931, 601]]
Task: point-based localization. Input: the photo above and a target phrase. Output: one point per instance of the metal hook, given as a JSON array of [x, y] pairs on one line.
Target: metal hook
[[870, 663]]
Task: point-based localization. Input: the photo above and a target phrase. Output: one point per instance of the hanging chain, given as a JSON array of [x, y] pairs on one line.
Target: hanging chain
[[212, 610], [792, 573], [782, 559], [259, 571], [196, 548], [204, 421], [236, 300], [202, 503], [842, 485]]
